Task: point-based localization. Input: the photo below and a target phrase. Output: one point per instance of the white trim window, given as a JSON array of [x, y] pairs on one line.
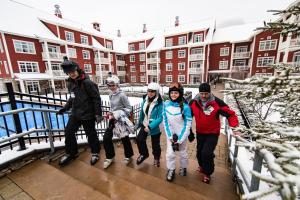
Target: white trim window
[[87, 68], [224, 51], [239, 63], [132, 58], [132, 68], [169, 66], [69, 36], [182, 40], [142, 45], [109, 45], [86, 54], [241, 49], [181, 54], [1, 47], [142, 68], [198, 64], [133, 79], [223, 64], [197, 51], [181, 78], [143, 79], [181, 66], [84, 39], [169, 78], [142, 57], [33, 86], [24, 47], [111, 57], [28, 67], [131, 47], [198, 37], [267, 45], [72, 53], [169, 54], [169, 42], [265, 61]]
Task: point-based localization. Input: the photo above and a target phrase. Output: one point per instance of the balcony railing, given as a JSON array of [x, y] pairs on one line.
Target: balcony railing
[[153, 60], [53, 56], [152, 72], [103, 60], [121, 73], [294, 64], [195, 70], [104, 73], [295, 42], [120, 63], [241, 67], [194, 57], [239, 55], [56, 72]]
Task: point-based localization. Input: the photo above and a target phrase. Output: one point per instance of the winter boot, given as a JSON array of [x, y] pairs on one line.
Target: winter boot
[[126, 161], [141, 159], [94, 158], [206, 179], [170, 175], [156, 162], [66, 159], [182, 172], [107, 163], [200, 170]]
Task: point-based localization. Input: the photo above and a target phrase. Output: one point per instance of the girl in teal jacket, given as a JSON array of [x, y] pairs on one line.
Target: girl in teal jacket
[[149, 121]]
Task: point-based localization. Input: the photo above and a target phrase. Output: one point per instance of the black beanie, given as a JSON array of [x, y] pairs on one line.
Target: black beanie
[[204, 87], [68, 65], [176, 87]]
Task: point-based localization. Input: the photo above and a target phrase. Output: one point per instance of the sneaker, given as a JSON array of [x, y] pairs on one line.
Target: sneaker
[[170, 175], [141, 159], [66, 159], [206, 179], [107, 163], [94, 159], [182, 172], [126, 161], [156, 162], [200, 170]]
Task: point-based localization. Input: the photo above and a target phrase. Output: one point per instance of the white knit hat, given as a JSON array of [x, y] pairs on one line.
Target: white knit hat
[[113, 80]]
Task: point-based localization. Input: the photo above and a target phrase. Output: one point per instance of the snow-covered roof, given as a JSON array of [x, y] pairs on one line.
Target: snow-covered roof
[[120, 45], [239, 33], [97, 45], [157, 43], [32, 76]]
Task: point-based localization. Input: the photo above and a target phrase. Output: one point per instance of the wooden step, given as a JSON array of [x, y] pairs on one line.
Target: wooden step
[[154, 184], [108, 184], [43, 181]]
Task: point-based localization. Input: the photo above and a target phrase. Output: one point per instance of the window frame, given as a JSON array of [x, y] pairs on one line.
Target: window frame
[[20, 63], [221, 66], [180, 51], [224, 51], [20, 49], [70, 34]]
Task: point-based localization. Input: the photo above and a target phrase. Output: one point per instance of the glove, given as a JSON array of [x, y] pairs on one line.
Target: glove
[[191, 136], [61, 111], [136, 127], [99, 118]]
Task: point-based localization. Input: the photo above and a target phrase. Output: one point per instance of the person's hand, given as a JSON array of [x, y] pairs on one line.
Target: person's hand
[[191, 136], [146, 129], [99, 118], [236, 133], [136, 127], [61, 111]]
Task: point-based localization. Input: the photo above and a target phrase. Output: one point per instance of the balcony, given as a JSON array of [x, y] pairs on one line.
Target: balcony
[[152, 72], [241, 55], [53, 56], [103, 61], [240, 67], [153, 60], [120, 63], [56, 73], [104, 73], [121, 73], [195, 70], [294, 64], [194, 57], [295, 43]]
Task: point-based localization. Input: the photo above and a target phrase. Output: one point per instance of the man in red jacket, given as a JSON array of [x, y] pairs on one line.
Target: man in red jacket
[[206, 108]]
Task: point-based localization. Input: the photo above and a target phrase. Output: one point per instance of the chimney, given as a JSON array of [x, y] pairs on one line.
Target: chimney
[[177, 21], [119, 33], [57, 11], [144, 28], [96, 26]]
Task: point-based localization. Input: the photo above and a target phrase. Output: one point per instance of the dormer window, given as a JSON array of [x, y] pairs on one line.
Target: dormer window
[[198, 37], [109, 45], [142, 45], [182, 40], [131, 47], [169, 42], [69, 36], [84, 39]]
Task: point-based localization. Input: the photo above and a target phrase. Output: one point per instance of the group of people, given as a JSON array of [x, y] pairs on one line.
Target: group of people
[[173, 117]]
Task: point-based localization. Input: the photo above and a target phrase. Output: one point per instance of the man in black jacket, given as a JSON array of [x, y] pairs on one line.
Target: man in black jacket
[[85, 103]]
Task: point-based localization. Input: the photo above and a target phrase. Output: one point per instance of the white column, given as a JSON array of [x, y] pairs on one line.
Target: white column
[[231, 59], [252, 56], [22, 86], [286, 52], [100, 67], [49, 65], [157, 67], [146, 69], [207, 64], [67, 50], [109, 61], [188, 66], [7, 55]]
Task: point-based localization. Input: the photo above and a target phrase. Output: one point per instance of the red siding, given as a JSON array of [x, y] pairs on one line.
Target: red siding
[[3, 58], [200, 32], [214, 56], [100, 40], [51, 27], [176, 38], [77, 35]]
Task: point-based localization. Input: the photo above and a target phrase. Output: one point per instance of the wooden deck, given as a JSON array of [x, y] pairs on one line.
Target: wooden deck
[[80, 180]]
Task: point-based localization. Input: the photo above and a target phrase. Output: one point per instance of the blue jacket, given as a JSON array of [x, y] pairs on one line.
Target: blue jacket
[[156, 116]]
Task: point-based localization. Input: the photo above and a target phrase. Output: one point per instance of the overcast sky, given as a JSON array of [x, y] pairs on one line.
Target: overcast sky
[[129, 15]]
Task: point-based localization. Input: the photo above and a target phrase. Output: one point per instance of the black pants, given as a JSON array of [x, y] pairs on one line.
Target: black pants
[[90, 131], [109, 146], [206, 144], [142, 145]]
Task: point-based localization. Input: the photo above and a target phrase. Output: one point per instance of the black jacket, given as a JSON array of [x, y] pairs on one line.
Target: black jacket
[[85, 99]]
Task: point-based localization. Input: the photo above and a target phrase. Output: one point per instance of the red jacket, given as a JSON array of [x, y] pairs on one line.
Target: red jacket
[[207, 119]]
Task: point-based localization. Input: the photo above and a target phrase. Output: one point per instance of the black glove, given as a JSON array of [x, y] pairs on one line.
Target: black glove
[[99, 118], [175, 145], [61, 111], [191, 136]]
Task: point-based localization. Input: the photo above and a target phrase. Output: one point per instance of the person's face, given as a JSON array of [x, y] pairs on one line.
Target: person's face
[[174, 95], [151, 93], [73, 74], [112, 87], [204, 96]]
